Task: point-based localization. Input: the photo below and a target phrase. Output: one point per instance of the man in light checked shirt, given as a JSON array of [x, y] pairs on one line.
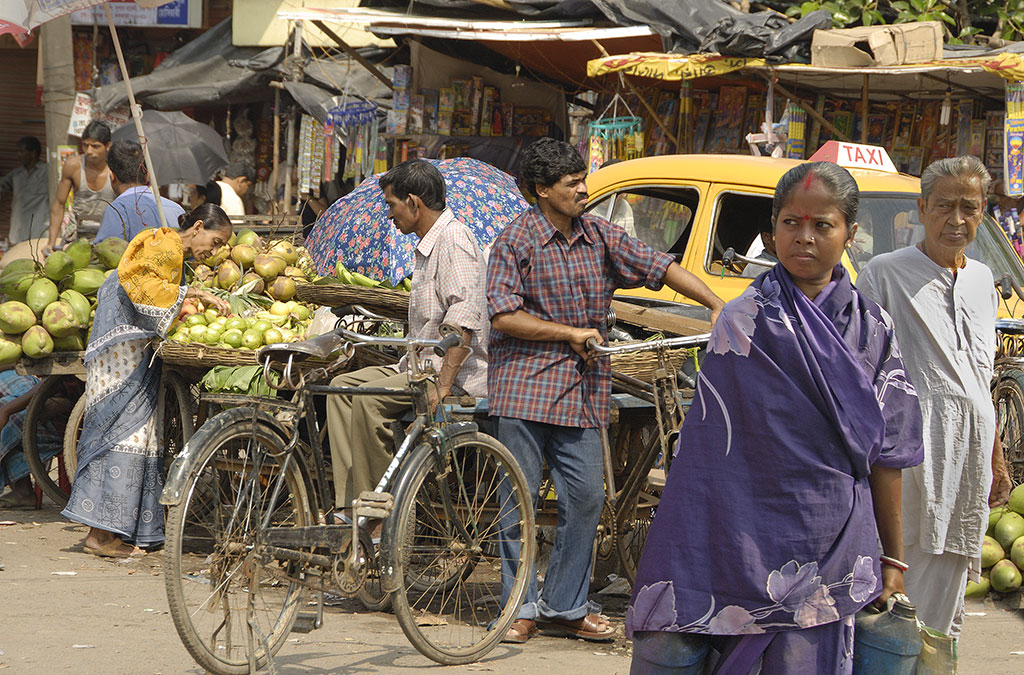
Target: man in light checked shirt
[[550, 279], [447, 289]]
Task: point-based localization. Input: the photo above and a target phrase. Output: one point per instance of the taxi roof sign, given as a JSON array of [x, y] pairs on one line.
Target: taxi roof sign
[[855, 156]]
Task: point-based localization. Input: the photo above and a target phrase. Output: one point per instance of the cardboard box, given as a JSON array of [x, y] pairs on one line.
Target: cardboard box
[[877, 45]]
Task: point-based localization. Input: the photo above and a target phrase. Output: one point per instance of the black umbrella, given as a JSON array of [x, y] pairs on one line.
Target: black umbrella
[[183, 150]]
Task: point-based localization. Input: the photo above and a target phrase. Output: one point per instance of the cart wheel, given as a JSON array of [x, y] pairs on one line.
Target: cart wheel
[[633, 518], [72, 432], [52, 404]]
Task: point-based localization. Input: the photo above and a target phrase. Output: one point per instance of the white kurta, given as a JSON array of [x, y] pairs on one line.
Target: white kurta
[[946, 329], [230, 201]]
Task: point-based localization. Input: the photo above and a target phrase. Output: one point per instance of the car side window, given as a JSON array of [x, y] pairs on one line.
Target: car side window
[[738, 220], [660, 217]]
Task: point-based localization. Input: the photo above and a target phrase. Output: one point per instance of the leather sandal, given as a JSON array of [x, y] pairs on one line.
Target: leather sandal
[[587, 628], [520, 631]]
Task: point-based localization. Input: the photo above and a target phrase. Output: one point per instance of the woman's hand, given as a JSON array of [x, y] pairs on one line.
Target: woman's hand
[[892, 582], [208, 299]]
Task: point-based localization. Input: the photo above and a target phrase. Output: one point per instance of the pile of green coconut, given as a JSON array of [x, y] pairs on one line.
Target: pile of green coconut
[[50, 304], [1002, 554]]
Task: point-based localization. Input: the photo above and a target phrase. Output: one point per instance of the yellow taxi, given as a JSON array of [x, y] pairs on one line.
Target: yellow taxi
[[708, 211]]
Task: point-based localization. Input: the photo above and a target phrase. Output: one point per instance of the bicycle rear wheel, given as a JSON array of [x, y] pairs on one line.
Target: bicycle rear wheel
[[447, 536], [230, 604]]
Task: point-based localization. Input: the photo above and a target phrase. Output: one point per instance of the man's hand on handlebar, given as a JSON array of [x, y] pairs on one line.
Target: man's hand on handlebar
[[578, 341]]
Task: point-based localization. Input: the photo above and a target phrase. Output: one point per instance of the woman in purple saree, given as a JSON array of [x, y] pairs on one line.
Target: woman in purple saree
[[787, 471]]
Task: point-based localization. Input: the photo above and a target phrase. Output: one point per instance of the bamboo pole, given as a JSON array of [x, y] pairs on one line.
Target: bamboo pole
[[864, 109], [137, 116], [277, 143]]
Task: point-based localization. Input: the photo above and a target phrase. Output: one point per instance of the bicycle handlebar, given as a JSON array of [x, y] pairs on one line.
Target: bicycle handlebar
[[1006, 283], [650, 345]]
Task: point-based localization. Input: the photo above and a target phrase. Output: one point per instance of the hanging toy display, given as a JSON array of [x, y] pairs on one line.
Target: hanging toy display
[[615, 137], [356, 123]]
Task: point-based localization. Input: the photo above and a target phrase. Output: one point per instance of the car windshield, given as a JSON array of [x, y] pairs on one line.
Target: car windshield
[[887, 221]]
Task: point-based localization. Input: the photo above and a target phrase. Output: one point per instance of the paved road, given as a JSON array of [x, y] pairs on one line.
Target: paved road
[[111, 617]]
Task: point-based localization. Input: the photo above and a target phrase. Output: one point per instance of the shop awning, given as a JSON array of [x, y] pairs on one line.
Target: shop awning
[[982, 74]]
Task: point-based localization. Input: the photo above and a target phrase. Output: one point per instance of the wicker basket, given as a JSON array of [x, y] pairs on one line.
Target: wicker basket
[[206, 356], [388, 302], [643, 365]]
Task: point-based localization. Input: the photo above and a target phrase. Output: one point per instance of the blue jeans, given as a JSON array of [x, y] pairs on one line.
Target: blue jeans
[[574, 458]]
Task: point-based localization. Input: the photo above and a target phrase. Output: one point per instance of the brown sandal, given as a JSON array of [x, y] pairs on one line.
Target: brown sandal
[[520, 631], [588, 628]]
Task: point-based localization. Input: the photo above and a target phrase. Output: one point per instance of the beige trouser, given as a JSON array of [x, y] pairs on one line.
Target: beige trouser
[[359, 430]]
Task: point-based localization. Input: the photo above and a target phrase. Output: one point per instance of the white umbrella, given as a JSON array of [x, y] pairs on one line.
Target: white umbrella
[[21, 16]]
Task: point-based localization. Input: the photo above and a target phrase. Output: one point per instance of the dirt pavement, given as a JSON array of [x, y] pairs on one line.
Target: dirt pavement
[[68, 612]]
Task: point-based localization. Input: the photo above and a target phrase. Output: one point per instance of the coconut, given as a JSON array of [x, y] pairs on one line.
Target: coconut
[[243, 254], [1005, 577], [1017, 499], [10, 349], [979, 589], [228, 275], [993, 517], [19, 266], [991, 552], [58, 265], [59, 319], [79, 303], [70, 343], [219, 256], [203, 273], [40, 294], [15, 285], [87, 281], [282, 288], [245, 237], [294, 272], [267, 266], [80, 251], [36, 343], [1017, 553], [16, 317], [285, 250], [251, 276], [1009, 527], [109, 251]]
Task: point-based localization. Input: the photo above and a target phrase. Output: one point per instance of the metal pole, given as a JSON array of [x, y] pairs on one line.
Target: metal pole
[[137, 116]]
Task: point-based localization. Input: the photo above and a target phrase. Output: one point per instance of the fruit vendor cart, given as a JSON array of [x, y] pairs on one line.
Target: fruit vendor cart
[[53, 418]]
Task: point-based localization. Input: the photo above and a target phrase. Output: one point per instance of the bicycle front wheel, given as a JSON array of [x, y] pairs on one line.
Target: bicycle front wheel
[[452, 517], [1008, 396], [231, 605]]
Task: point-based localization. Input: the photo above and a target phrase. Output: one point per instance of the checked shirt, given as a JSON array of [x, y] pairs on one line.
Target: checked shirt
[[534, 268]]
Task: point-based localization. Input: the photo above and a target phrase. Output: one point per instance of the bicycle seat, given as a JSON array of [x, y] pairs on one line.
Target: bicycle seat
[[320, 347]]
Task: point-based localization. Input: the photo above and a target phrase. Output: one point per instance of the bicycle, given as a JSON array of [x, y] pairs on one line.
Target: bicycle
[[629, 511], [1008, 383], [250, 520]]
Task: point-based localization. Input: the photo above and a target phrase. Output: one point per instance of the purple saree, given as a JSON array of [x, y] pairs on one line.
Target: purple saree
[[766, 523]]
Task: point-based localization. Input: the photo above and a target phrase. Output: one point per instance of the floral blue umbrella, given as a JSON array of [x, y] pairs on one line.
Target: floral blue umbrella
[[356, 228]]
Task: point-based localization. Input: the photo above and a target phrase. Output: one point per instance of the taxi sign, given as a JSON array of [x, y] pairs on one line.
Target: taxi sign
[[855, 156]]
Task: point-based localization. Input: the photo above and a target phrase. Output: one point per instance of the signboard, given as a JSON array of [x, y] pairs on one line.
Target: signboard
[[174, 14], [85, 111], [254, 23], [855, 156]]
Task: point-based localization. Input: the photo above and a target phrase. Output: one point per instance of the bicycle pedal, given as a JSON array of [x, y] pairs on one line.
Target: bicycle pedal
[[305, 622], [374, 505]]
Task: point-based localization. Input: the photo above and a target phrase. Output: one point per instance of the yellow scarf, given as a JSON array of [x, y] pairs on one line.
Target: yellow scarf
[[150, 269]]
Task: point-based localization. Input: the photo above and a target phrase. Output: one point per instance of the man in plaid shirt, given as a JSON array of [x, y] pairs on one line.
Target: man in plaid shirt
[[447, 289], [550, 279]]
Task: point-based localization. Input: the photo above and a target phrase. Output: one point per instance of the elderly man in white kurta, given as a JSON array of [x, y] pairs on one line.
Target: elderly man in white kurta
[[944, 306]]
